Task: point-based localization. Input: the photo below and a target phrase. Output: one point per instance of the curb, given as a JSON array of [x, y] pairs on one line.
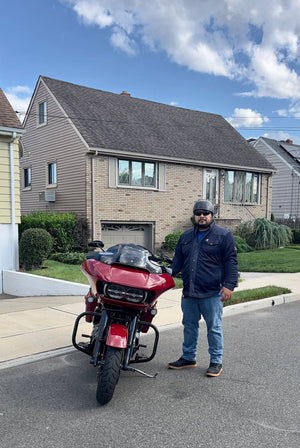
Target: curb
[[230, 310], [245, 307]]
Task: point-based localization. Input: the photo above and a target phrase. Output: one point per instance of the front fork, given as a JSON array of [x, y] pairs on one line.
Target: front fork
[[101, 337]]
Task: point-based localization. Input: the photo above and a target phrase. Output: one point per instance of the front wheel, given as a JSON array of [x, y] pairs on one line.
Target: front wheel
[[108, 375]]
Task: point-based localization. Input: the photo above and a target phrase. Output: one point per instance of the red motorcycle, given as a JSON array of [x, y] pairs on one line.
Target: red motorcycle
[[125, 282]]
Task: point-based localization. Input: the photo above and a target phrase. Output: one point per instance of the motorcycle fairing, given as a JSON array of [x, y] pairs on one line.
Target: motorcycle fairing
[[128, 276], [117, 336]]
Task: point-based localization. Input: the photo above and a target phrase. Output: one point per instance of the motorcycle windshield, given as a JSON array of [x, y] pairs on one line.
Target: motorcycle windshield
[[131, 255]]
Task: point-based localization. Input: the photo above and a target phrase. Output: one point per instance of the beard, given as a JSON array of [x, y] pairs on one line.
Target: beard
[[204, 226]]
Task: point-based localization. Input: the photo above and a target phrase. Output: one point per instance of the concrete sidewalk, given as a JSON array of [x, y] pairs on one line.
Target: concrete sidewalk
[[35, 325]]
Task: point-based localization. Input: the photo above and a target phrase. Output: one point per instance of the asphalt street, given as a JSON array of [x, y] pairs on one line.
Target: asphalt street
[[254, 403]]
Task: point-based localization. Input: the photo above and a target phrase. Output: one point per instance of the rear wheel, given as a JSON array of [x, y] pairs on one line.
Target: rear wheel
[[108, 375]]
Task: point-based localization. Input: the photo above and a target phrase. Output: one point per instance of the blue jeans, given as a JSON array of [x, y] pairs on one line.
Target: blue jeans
[[211, 309]]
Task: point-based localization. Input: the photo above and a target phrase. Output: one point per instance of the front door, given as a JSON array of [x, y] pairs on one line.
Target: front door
[[211, 185]]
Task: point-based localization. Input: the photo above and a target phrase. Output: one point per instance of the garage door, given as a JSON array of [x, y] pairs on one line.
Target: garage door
[[112, 234]]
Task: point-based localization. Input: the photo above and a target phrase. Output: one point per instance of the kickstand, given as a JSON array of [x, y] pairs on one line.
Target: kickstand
[[132, 369]]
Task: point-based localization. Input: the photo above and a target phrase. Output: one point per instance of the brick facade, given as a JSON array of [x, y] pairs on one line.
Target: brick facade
[[169, 210]]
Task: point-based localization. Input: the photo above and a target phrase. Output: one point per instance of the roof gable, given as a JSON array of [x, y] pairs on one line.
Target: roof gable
[[288, 152], [8, 117], [121, 123]]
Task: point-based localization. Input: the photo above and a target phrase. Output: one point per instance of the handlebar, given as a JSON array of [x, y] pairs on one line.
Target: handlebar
[[96, 243]]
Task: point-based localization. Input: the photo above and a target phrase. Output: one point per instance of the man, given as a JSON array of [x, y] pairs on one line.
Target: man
[[206, 256]]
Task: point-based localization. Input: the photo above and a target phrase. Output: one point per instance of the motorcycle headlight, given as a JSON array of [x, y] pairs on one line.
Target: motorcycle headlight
[[127, 293]]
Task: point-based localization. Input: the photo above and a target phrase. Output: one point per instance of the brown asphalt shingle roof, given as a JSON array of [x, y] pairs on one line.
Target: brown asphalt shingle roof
[[123, 123], [8, 118]]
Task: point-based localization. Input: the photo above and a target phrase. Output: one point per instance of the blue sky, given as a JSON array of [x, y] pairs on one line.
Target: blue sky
[[236, 58]]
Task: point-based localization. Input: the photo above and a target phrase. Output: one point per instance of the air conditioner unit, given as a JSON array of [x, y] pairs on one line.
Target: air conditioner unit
[[50, 195]]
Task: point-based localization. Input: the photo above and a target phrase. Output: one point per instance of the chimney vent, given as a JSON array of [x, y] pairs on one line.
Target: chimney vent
[[125, 93], [289, 141]]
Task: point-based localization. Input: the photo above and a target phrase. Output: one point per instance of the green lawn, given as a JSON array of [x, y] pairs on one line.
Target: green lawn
[[248, 295], [274, 260], [286, 259], [68, 272]]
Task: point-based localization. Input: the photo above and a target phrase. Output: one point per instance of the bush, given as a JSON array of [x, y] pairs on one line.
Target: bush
[[69, 257], [263, 234], [296, 236], [171, 240], [241, 245], [35, 247], [63, 227]]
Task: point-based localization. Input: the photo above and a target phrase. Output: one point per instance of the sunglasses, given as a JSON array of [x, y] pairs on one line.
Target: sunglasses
[[201, 212]]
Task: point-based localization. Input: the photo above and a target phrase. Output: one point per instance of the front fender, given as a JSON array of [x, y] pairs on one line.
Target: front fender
[[117, 336]]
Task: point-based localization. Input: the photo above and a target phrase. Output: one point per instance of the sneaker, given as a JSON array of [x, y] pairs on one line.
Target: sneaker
[[182, 364], [214, 369]]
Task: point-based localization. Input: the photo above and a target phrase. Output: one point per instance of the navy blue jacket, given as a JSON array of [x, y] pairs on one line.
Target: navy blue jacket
[[207, 265]]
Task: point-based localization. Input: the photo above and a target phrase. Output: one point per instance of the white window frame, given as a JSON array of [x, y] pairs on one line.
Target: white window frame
[[51, 173], [42, 116], [239, 194], [27, 178], [160, 175]]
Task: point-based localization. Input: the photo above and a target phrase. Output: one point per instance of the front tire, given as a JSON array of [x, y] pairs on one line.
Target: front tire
[[108, 375]]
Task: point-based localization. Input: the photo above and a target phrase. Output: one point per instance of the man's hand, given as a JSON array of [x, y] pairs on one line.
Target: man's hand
[[226, 294]]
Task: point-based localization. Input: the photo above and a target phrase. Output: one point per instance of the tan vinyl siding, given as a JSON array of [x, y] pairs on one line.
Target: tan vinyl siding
[[58, 143], [5, 188]]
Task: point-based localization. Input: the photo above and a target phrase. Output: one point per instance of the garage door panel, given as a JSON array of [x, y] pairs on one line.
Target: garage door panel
[[125, 233]]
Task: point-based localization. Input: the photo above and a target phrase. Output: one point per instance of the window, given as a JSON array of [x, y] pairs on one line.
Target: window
[[52, 173], [243, 187], [136, 174], [27, 177], [211, 185], [42, 116]]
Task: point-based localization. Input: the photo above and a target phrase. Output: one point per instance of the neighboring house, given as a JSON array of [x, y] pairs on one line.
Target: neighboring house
[[10, 131], [134, 168], [285, 157]]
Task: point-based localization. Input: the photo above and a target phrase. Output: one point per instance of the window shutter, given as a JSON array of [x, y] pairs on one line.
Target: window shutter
[[162, 177], [112, 172]]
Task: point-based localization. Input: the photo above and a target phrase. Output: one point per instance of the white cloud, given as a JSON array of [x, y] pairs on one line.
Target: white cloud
[[119, 39], [19, 98], [292, 111], [247, 118], [250, 40], [20, 90]]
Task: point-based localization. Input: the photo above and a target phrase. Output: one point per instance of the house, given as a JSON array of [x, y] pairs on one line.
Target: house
[[285, 157], [10, 131], [134, 168]]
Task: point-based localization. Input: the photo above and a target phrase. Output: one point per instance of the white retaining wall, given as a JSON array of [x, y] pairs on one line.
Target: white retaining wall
[[26, 285]]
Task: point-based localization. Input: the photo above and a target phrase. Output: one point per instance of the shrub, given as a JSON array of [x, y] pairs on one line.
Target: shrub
[[264, 234], [171, 240], [296, 236], [241, 245], [63, 227], [69, 257], [35, 247]]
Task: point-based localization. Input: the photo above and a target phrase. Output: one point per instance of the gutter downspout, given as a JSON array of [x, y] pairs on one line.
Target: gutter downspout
[[14, 231], [92, 198], [292, 193], [268, 188]]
